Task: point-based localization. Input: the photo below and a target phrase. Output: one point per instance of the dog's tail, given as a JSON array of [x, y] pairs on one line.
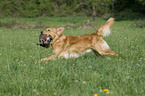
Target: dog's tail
[[104, 30]]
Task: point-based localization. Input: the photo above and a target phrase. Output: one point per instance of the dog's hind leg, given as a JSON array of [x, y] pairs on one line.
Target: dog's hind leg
[[105, 52], [96, 53], [103, 48], [108, 52]]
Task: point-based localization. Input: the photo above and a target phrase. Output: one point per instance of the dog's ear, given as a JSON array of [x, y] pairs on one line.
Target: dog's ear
[[60, 30]]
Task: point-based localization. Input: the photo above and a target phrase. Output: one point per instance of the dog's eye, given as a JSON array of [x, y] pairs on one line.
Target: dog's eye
[[48, 30]]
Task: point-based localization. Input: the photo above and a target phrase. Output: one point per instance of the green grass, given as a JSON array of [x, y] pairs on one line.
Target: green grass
[[22, 75]]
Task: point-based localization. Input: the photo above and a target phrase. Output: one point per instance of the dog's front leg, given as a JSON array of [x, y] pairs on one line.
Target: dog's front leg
[[49, 58]]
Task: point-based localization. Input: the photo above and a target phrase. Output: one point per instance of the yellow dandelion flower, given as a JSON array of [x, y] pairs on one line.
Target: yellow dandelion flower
[[95, 95], [120, 59], [140, 58], [106, 90]]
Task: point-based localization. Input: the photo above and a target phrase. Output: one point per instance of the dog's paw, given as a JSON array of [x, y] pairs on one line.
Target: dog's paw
[[44, 59]]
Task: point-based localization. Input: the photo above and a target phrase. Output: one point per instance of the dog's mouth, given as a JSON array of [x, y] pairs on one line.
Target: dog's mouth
[[45, 40]]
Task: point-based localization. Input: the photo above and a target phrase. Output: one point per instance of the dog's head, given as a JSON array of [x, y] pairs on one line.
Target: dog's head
[[49, 35]]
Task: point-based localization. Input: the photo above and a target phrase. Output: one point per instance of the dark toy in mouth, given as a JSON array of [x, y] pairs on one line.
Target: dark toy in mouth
[[45, 40]]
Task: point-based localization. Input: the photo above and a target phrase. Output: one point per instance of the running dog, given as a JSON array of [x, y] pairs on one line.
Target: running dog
[[74, 46]]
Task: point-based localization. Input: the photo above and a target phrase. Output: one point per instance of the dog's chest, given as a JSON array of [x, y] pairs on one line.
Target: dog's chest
[[67, 54]]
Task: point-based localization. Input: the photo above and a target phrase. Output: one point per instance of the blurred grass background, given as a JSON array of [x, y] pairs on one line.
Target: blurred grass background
[[21, 73]]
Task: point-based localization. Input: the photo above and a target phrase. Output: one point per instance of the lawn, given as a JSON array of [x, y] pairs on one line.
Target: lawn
[[22, 75]]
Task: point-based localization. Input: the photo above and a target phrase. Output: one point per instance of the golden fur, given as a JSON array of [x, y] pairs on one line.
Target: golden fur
[[73, 46]]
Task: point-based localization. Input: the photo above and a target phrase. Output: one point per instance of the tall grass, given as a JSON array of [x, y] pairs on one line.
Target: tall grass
[[22, 75]]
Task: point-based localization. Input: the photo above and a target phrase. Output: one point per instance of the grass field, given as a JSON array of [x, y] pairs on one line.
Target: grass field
[[22, 75]]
